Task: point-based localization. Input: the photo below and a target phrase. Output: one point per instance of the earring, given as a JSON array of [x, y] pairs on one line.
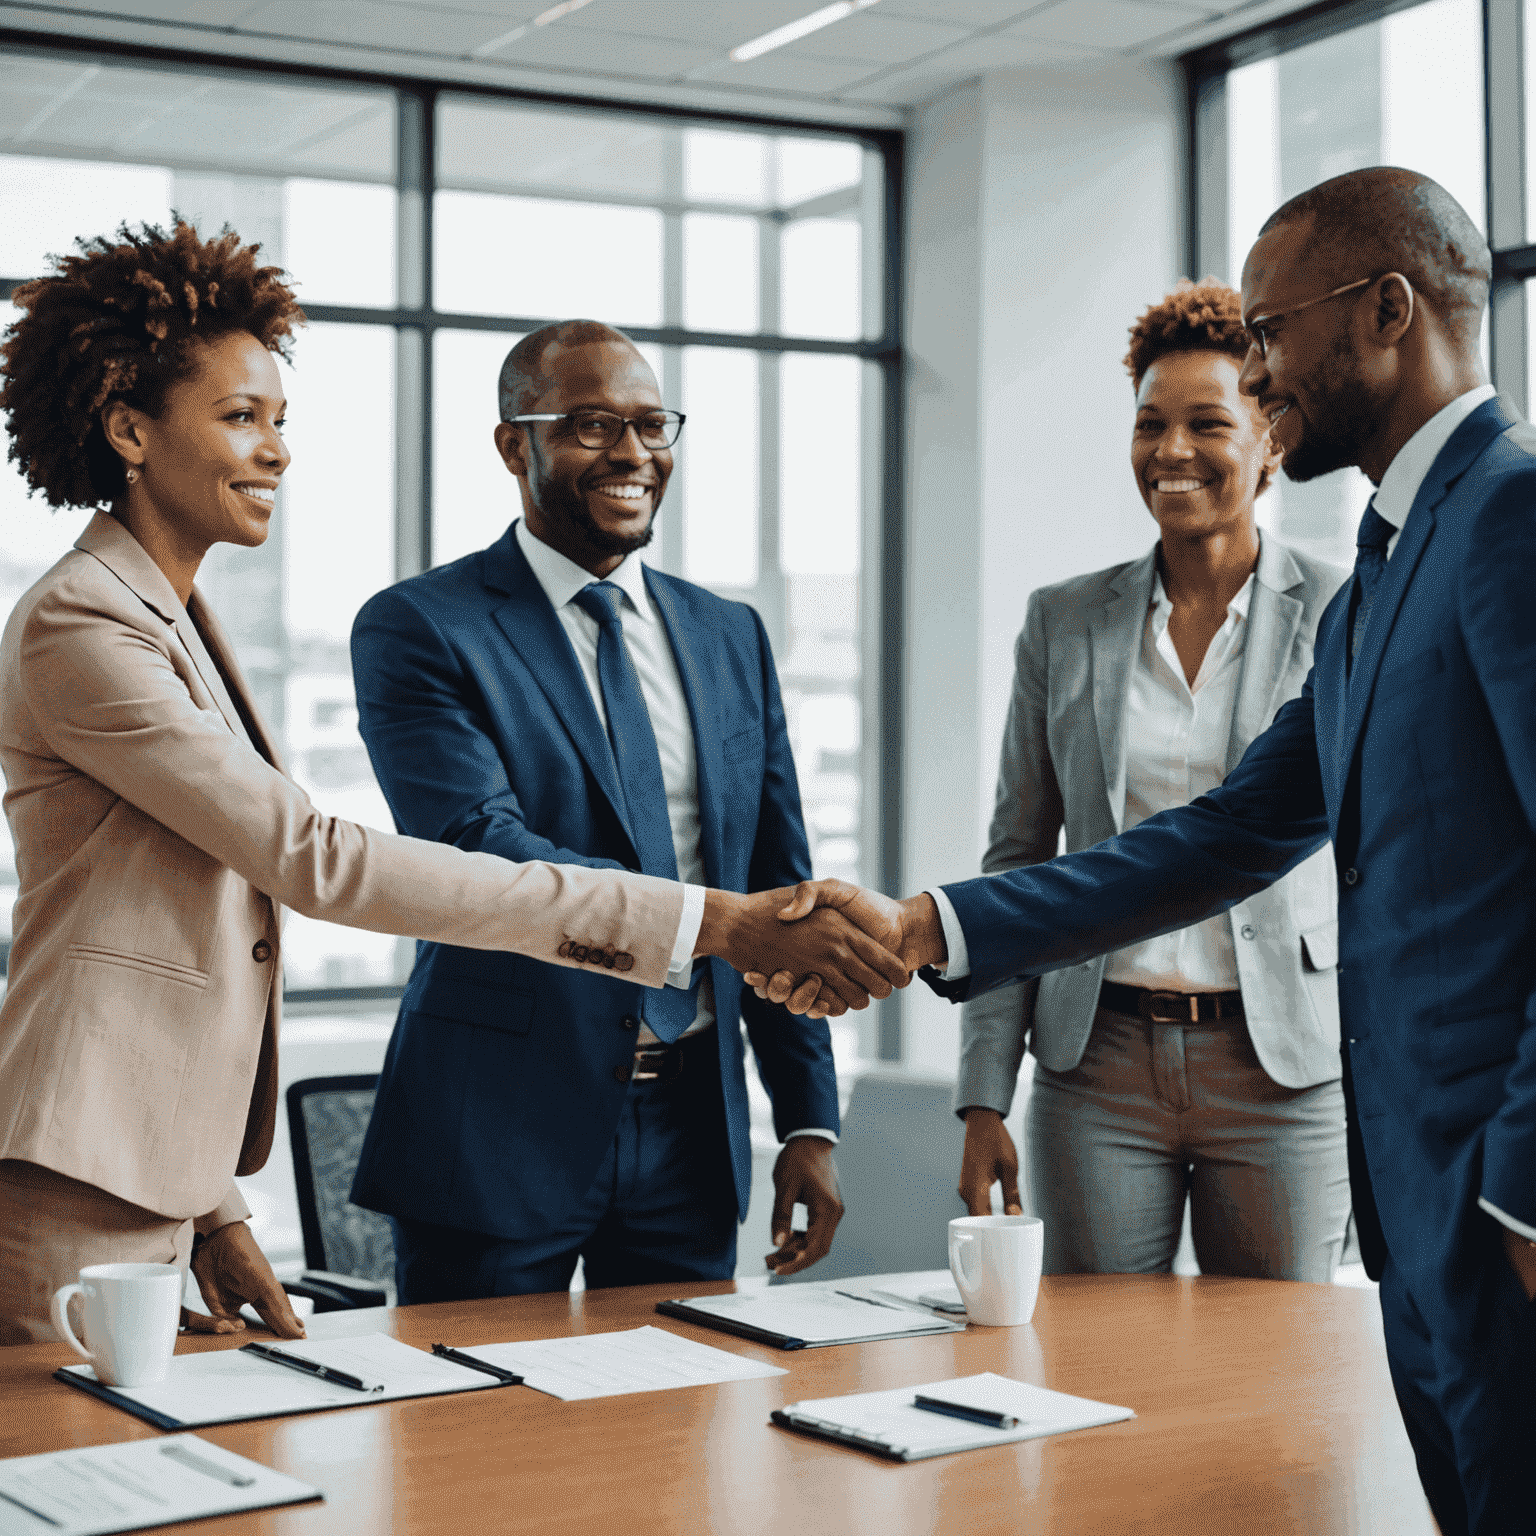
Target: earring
[[131, 475]]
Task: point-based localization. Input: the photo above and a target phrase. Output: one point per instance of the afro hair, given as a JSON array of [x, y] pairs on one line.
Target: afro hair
[[1196, 317], [122, 319]]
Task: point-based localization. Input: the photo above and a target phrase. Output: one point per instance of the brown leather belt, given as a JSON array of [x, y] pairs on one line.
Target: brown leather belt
[[661, 1063], [1171, 1007]]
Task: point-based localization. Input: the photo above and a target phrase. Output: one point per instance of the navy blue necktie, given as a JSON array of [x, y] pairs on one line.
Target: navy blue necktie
[[670, 1010], [1370, 566]]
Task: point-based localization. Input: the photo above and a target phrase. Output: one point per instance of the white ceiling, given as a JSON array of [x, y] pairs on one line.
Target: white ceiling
[[892, 55]]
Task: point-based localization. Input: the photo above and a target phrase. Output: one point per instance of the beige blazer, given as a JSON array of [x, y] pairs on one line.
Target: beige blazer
[[156, 848]]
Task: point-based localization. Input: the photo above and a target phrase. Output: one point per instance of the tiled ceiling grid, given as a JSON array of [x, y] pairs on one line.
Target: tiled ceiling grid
[[893, 53]]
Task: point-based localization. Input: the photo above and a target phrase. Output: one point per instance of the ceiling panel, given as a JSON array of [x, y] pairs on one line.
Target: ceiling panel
[[208, 13], [414, 28], [881, 39], [963, 13], [1119, 24], [721, 26], [784, 70], [607, 53]]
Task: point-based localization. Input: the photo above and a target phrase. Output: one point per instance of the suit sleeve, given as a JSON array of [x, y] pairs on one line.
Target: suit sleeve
[[1176, 868], [109, 702], [794, 1054], [1498, 620], [422, 720], [1026, 825]]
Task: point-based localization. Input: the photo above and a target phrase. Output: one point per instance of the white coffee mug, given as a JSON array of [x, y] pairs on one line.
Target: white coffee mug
[[996, 1264], [131, 1315]]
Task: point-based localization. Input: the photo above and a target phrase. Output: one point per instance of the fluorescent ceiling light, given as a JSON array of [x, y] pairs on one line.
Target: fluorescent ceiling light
[[795, 30], [543, 19]]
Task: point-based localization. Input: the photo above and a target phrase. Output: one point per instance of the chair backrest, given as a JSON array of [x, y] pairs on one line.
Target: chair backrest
[[898, 1162], [327, 1120]]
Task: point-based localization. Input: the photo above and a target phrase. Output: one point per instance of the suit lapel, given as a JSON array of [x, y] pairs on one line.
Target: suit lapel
[[534, 631], [1274, 617], [1466, 444], [214, 657], [1114, 634], [702, 711]]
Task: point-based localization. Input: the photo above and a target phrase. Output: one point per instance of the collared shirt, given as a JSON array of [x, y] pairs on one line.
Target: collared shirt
[[1405, 474], [661, 685], [1176, 740]]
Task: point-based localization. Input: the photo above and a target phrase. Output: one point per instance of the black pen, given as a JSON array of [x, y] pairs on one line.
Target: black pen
[[311, 1368], [443, 1352], [962, 1411], [869, 1301]]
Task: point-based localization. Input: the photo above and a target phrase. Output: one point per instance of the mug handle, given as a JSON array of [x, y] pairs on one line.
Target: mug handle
[[60, 1314], [958, 1243]]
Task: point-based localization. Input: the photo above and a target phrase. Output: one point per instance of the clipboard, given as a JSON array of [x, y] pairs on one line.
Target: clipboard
[[812, 1316]]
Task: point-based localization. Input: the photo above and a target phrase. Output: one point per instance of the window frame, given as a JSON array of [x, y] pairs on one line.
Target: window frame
[[1514, 257], [415, 321]]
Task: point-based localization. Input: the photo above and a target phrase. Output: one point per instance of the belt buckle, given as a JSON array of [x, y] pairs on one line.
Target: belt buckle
[[656, 1058], [1187, 1004]]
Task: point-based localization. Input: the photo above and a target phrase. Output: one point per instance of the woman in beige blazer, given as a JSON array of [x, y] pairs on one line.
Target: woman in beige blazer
[[1205, 1061], [157, 836]]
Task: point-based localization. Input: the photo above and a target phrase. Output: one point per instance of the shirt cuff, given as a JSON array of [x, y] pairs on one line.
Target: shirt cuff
[[811, 1130], [1529, 1233], [680, 967], [959, 962]]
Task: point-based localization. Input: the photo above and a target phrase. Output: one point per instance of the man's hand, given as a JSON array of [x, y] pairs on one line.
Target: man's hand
[[231, 1269], [748, 933], [1522, 1259], [805, 1174], [989, 1158], [910, 929]]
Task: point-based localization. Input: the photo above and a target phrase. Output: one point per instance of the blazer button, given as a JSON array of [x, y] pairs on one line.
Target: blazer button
[[261, 951], [1351, 876], [629, 1021], [1249, 931], [622, 1074], [623, 961]]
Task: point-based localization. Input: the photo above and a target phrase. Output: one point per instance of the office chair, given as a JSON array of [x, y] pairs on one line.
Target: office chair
[[349, 1253], [898, 1162]]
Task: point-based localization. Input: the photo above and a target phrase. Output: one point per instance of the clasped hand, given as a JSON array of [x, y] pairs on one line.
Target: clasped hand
[[823, 946]]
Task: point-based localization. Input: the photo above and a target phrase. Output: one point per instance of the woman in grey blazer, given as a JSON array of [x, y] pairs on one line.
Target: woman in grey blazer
[[1204, 1062]]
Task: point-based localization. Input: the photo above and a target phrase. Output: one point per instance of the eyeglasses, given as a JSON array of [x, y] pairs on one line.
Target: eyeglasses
[[1261, 327], [604, 429]]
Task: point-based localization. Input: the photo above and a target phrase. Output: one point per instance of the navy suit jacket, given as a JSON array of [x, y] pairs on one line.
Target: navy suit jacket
[[498, 1098], [1421, 766]]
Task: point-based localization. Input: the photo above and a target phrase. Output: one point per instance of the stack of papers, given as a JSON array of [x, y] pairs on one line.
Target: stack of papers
[[611, 1364], [109, 1488], [810, 1316]]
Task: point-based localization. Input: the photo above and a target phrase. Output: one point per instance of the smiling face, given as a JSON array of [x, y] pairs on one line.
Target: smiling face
[[210, 462], [1199, 448], [1309, 385], [594, 505]]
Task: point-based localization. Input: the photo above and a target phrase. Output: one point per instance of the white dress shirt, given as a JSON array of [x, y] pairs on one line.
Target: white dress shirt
[[1176, 739], [650, 650]]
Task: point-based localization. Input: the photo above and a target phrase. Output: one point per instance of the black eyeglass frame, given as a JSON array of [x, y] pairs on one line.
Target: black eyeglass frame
[[674, 419], [1257, 326]]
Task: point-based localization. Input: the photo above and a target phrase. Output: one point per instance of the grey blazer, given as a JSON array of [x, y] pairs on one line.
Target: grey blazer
[[1063, 764]]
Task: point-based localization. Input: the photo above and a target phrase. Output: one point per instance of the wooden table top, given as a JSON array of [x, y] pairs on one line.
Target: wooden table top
[[1261, 1406]]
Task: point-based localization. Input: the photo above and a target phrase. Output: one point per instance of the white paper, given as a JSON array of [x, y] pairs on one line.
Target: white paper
[[611, 1364], [222, 1386], [127, 1487], [836, 1312], [890, 1418]]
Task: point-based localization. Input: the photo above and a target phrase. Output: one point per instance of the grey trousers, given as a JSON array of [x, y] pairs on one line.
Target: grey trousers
[[1155, 1111]]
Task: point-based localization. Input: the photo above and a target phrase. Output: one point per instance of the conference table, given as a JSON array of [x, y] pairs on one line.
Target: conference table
[[1261, 1406]]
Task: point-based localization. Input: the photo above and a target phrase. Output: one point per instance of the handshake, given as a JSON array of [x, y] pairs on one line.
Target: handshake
[[823, 946]]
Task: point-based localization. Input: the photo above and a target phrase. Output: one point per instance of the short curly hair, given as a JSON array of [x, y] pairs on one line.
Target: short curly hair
[[1196, 317], [121, 319]]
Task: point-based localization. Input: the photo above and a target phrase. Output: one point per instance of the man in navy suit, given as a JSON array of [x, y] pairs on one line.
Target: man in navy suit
[[1413, 746], [553, 698]]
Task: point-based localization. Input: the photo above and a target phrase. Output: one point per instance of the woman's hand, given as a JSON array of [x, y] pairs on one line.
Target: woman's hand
[[231, 1269]]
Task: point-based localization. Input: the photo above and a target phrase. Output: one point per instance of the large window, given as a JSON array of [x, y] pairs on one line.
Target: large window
[[427, 230], [1436, 87]]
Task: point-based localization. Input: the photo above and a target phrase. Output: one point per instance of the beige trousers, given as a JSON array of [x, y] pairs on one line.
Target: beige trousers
[[52, 1226]]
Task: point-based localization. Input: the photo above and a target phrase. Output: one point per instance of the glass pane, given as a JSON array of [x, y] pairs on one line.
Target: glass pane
[[820, 279], [819, 464], [720, 277], [725, 167], [814, 167], [1407, 90], [473, 496], [718, 467], [497, 255], [85, 146]]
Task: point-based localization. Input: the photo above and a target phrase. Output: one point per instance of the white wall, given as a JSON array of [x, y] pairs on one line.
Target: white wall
[[1045, 213]]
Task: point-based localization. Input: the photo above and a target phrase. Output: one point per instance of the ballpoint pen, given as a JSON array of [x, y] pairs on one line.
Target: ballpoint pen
[[311, 1368], [444, 1352], [964, 1411]]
